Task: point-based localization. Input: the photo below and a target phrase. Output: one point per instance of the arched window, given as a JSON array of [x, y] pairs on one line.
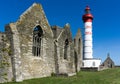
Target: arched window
[[66, 48], [37, 37]]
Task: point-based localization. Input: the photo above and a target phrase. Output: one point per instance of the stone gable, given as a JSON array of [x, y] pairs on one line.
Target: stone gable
[[39, 50], [108, 63]]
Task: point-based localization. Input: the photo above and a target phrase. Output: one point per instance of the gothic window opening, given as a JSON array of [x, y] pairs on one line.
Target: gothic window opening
[[66, 48], [37, 39]]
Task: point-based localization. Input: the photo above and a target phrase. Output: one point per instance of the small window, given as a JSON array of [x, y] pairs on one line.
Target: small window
[[93, 63], [66, 48]]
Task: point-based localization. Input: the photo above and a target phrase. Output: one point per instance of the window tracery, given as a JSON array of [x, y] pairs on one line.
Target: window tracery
[[37, 40]]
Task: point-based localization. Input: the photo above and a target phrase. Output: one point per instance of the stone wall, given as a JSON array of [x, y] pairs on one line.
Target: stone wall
[[21, 39], [55, 54], [5, 59], [108, 63], [35, 66], [64, 65], [78, 50], [13, 37]]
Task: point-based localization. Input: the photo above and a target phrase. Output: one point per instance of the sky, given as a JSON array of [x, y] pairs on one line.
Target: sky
[[106, 28]]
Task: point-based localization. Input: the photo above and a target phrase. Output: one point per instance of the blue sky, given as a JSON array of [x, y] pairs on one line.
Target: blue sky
[[106, 28]]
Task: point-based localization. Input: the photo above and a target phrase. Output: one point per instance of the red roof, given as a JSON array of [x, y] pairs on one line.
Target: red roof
[[87, 16]]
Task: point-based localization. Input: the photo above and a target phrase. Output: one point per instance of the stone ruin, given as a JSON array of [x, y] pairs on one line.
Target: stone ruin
[[31, 48]]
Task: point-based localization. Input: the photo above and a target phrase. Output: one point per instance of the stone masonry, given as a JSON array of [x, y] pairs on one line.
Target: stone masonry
[[31, 48], [108, 63]]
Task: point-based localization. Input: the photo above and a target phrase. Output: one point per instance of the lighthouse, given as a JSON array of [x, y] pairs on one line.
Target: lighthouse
[[87, 19], [88, 60]]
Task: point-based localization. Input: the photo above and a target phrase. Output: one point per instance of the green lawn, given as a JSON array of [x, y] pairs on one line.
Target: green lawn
[[110, 76]]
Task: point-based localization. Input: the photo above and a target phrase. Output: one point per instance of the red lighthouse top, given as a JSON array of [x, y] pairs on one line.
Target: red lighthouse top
[[87, 17]]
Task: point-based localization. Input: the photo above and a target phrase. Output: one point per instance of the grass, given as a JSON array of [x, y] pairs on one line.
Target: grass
[[109, 76]]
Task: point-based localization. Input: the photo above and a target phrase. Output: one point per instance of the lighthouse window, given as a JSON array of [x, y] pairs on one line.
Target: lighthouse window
[[37, 38], [87, 11], [66, 48]]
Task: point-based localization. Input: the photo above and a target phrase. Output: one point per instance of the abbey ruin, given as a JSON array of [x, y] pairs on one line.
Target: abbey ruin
[[31, 48]]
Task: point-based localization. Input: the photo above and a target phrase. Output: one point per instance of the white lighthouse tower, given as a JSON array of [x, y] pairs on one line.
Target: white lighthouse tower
[[87, 18], [88, 60]]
